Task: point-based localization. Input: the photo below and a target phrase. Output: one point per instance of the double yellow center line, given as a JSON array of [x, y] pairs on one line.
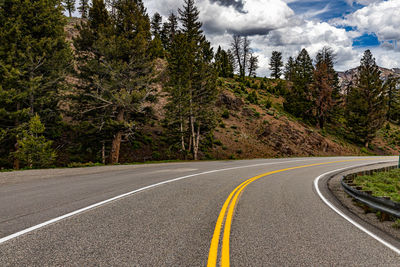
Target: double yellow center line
[[228, 210]]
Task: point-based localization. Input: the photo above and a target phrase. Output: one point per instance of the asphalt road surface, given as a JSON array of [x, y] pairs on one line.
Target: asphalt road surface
[[239, 213]]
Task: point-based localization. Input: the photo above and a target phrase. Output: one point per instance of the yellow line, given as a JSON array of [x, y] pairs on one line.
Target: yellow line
[[234, 196]]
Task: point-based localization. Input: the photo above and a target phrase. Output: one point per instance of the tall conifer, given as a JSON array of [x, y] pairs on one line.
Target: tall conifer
[[366, 101], [34, 61], [325, 86], [115, 70], [276, 65], [298, 100]]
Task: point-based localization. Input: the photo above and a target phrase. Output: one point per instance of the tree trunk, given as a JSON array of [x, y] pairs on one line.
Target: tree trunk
[[103, 153], [182, 137], [16, 145], [193, 137], [196, 144], [116, 143], [16, 161]]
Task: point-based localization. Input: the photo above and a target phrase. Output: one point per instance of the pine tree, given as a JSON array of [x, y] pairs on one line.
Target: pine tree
[[253, 65], [83, 8], [177, 108], [224, 63], [393, 99], [156, 22], [193, 80], [34, 150], [115, 70], [169, 30], [299, 100], [276, 65], [69, 5], [156, 48], [34, 61], [290, 69], [325, 86], [366, 101]]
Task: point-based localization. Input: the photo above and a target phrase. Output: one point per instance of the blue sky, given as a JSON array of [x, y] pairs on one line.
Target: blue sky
[[349, 27], [331, 9]]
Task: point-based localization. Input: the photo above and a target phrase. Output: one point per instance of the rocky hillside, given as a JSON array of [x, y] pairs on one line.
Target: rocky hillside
[[349, 75]]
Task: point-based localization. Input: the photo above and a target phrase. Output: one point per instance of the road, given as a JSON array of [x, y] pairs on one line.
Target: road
[[243, 213]]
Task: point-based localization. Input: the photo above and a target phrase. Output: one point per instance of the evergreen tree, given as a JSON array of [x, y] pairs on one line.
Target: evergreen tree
[[83, 8], [325, 86], [115, 71], [366, 103], [276, 65], [156, 48], [69, 5], [193, 80], [169, 30], [393, 99], [290, 69], [34, 61], [156, 22], [177, 108], [299, 101], [253, 65], [34, 150], [223, 63]]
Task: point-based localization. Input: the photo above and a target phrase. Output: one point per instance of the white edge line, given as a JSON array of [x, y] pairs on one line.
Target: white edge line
[[35, 227], [316, 181]]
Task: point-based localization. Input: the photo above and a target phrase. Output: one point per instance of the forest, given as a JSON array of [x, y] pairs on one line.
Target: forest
[[92, 98]]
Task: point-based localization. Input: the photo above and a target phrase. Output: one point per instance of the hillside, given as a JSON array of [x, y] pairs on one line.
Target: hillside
[[251, 124], [349, 75]]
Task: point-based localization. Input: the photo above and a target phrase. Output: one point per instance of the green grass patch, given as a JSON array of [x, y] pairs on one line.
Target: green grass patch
[[382, 184]]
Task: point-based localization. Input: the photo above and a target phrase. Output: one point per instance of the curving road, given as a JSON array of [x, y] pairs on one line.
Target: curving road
[[242, 213]]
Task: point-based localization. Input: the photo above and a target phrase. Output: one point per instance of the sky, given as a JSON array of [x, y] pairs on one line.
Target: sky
[[349, 27]]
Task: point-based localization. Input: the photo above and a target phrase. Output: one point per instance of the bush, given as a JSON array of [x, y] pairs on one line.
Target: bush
[[252, 97], [218, 142], [225, 114], [156, 155], [268, 105]]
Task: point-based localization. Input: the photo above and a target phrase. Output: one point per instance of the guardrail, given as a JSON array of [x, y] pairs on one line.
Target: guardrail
[[382, 204]]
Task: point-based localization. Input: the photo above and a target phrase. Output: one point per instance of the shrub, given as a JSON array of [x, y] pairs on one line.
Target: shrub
[[268, 105], [218, 142], [225, 114], [252, 97]]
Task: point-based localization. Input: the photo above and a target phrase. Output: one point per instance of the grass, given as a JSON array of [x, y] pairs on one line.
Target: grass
[[382, 184]]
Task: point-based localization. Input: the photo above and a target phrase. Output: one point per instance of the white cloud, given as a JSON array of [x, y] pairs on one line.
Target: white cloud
[[272, 25], [382, 19]]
